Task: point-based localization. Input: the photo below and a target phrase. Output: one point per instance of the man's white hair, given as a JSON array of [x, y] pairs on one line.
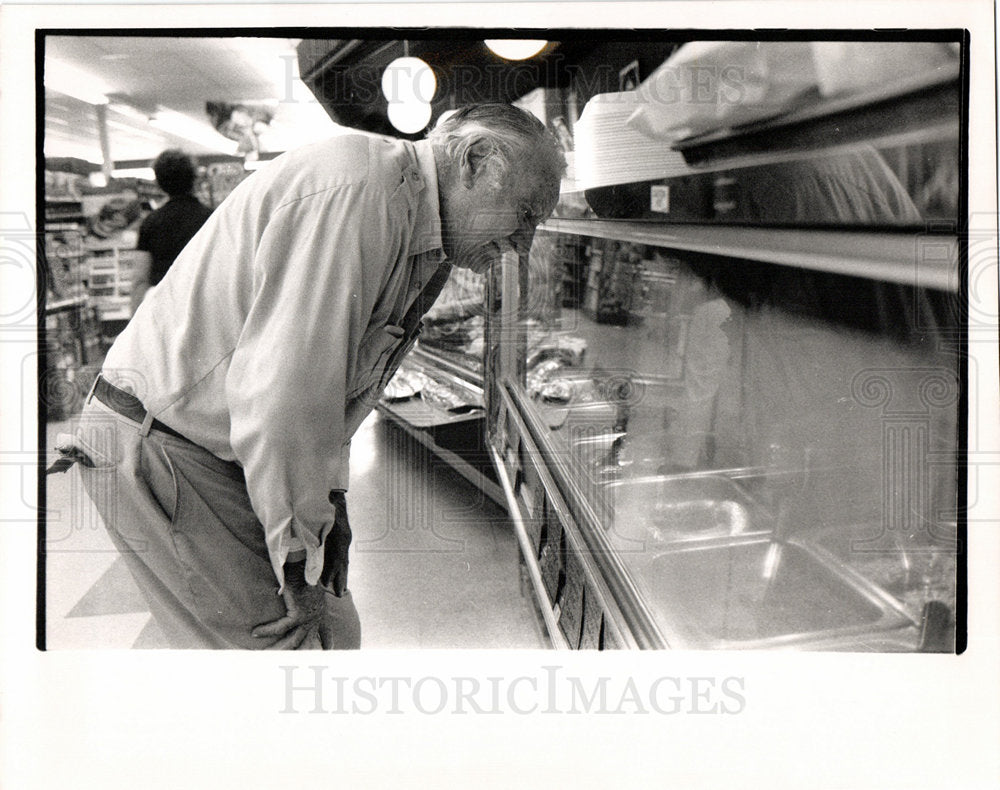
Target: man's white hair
[[509, 132]]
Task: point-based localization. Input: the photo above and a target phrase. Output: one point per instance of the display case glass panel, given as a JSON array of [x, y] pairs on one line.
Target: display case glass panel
[[768, 453]]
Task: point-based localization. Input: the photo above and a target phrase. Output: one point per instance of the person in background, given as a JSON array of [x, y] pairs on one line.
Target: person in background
[[165, 231], [215, 441]]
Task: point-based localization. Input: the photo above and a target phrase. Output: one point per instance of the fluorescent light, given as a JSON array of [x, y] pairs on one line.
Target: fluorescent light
[[72, 81], [201, 133], [58, 147], [145, 173], [128, 111], [135, 131]]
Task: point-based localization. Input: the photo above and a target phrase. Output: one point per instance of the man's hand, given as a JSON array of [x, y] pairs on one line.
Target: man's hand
[[306, 624], [335, 548], [309, 623]]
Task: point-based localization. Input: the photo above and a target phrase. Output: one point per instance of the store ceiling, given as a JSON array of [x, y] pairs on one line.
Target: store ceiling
[[144, 76], [151, 76]]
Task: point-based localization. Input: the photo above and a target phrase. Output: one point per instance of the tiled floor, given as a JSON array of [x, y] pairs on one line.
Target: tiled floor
[[433, 564]]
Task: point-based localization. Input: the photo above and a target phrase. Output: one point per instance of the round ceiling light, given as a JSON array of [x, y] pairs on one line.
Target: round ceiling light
[[409, 117], [407, 79], [514, 48]]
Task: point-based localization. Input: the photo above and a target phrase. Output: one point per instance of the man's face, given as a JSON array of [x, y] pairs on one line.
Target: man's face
[[484, 218]]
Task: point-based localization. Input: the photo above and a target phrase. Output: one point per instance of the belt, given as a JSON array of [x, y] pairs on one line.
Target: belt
[[127, 405]]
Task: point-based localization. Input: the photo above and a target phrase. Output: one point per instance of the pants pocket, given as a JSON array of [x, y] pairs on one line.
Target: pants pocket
[[220, 542], [92, 447]]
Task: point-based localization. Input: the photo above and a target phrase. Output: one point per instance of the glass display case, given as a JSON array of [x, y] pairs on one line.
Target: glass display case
[[764, 455], [725, 406]]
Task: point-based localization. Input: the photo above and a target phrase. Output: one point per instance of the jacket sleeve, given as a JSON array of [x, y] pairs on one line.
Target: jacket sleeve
[[315, 267]]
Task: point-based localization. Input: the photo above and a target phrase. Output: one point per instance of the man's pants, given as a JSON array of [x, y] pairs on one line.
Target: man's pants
[[182, 520]]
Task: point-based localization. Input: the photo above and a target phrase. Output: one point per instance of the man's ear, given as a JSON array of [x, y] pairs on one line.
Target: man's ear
[[475, 161]]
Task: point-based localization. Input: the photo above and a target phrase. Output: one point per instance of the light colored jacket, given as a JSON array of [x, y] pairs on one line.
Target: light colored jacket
[[275, 331]]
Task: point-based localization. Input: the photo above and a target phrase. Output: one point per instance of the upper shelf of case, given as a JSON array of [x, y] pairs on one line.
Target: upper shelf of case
[[926, 106], [925, 260]]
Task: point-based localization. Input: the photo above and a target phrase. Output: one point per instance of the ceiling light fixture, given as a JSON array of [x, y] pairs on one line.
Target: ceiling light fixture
[[515, 48], [128, 111], [409, 117], [68, 146], [69, 80], [409, 79], [201, 133], [409, 85], [144, 173]]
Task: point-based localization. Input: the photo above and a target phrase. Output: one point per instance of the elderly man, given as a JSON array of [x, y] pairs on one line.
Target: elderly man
[[216, 438]]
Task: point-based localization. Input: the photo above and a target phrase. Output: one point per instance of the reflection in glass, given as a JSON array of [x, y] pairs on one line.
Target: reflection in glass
[[788, 437], [862, 186]]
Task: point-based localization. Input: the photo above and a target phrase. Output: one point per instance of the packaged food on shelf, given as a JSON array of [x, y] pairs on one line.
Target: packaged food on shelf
[[447, 397], [708, 85], [405, 383]]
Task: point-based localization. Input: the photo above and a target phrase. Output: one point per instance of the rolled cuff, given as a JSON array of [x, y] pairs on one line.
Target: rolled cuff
[[294, 540], [343, 474]]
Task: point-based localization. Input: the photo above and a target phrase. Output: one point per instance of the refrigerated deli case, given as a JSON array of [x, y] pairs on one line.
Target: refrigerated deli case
[[754, 444], [727, 469]]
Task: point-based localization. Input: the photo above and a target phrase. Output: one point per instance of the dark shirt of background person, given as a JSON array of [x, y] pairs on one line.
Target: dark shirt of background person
[[165, 231]]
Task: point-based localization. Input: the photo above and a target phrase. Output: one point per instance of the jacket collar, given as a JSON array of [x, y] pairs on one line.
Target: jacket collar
[[427, 227]]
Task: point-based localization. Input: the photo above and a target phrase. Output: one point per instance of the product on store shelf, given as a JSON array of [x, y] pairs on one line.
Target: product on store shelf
[[406, 383], [447, 398]]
